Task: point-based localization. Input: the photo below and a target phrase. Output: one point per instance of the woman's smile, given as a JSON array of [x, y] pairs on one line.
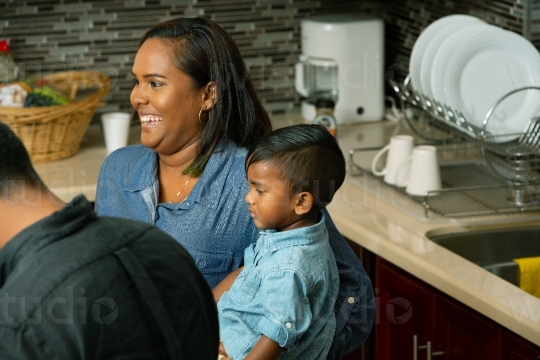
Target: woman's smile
[[150, 120]]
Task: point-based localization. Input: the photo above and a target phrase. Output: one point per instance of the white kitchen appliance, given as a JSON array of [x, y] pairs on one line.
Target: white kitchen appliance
[[342, 59]]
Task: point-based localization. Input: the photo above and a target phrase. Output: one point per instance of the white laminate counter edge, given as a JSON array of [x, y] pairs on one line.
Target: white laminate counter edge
[[368, 225]]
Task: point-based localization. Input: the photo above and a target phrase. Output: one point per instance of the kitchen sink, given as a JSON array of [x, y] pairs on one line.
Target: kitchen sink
[[493, 249]]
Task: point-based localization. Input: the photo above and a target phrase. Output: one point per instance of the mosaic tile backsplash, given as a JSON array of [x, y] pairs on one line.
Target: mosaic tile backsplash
[[48, 35]]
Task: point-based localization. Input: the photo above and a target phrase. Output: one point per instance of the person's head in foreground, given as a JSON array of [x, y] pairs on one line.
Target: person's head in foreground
[[77, 286], [20, 187], [293, 172]]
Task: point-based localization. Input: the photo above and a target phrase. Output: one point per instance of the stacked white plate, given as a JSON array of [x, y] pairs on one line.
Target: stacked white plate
[[464, 63]]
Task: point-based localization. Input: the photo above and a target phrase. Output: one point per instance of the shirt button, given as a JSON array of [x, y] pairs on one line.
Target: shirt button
[[288, 325], [350, 300]]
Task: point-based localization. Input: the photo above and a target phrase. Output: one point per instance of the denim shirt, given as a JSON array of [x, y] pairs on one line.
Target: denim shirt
[[215, 227], [286, 292]]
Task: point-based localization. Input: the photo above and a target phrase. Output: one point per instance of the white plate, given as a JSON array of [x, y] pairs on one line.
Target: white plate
[[446, 52], [433, 46], [485, 67], [424, 39]]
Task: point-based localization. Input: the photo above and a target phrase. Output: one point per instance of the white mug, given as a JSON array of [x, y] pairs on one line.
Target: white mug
[[399, 149], [424, 172], [116, 129]]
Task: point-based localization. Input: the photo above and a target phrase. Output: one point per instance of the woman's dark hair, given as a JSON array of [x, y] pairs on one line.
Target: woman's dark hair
[[308, 157], [205, 52], [15, 164]]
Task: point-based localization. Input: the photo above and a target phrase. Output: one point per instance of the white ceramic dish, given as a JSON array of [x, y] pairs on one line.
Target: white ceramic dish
[[485, 67], [423, 41], [446, 52], [459, 22]]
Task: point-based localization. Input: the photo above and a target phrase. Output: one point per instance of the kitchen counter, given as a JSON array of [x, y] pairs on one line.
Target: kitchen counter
[[78, 174], [373, 216]]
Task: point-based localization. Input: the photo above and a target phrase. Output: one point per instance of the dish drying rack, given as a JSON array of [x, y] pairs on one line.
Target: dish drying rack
[[482, 173]]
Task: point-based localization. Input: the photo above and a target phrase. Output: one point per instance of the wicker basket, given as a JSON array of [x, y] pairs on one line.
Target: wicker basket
[[55, 132]]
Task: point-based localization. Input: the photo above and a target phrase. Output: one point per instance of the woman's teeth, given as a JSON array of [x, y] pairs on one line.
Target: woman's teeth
[[151, 119]]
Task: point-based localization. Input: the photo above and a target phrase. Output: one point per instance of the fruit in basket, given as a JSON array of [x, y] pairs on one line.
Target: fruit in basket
[[55, 132], [34, 100], [45, 96], [55, 96]]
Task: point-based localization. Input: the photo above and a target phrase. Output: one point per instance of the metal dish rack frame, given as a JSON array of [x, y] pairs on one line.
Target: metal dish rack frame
[[507, 170]]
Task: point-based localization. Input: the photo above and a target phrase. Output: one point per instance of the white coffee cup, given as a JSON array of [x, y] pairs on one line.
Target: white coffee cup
[[424, 171], [116, 129], [399, 149]]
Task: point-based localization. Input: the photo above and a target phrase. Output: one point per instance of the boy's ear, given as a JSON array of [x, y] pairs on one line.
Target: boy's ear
[[304, 203]]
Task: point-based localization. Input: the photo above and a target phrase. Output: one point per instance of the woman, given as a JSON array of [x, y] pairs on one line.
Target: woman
[[198, 111]]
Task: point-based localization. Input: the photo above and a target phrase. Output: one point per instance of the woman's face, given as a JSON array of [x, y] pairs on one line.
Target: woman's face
[[163, 96]]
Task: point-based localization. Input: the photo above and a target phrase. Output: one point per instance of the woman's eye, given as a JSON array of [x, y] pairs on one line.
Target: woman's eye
[[259, 191], [135, 82], [155, 84]]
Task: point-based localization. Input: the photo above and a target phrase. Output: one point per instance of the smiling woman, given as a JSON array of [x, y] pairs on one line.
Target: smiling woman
[[164, 97], [168, 107], [198, 111]]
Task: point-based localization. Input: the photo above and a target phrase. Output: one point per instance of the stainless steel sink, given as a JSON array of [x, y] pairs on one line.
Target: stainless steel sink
[[494, 249]]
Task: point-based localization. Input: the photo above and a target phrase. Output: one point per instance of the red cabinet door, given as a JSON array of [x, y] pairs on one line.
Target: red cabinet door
[[463, 333], [405, 308], [408, 307], [514, 347]]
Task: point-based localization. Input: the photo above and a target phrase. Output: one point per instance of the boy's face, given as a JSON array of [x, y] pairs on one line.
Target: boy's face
[[269, 200]]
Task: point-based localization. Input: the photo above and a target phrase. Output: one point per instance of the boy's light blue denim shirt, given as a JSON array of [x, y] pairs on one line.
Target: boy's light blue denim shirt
[[286, 292], [215, 227]]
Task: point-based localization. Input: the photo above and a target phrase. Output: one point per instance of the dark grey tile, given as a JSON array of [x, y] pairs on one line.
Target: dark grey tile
[[24, 10], [104, 34]]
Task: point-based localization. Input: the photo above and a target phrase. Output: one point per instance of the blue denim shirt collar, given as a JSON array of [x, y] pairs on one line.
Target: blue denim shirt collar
[[272, 240], [141, 176]]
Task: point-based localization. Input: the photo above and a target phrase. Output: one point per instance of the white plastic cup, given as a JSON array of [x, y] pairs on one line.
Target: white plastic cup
[[424, 173], [399, 149], [115, 129]]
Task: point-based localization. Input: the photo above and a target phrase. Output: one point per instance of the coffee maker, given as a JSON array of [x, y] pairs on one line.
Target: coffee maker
[[342, 59]]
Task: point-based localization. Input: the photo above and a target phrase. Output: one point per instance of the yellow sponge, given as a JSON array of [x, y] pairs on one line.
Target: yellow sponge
[[529, 275]]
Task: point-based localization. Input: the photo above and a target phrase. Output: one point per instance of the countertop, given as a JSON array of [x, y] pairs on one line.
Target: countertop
[[377, 218]]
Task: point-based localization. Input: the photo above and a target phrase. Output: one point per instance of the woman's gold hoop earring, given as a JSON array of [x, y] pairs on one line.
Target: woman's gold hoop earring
[[200, 112]]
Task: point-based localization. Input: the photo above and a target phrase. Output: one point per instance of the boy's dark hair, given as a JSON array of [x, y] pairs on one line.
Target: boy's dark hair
[[15, 164], [308, 157]]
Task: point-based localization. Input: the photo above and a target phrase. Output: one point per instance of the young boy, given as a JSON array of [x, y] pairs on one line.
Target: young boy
[[281, 301]]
